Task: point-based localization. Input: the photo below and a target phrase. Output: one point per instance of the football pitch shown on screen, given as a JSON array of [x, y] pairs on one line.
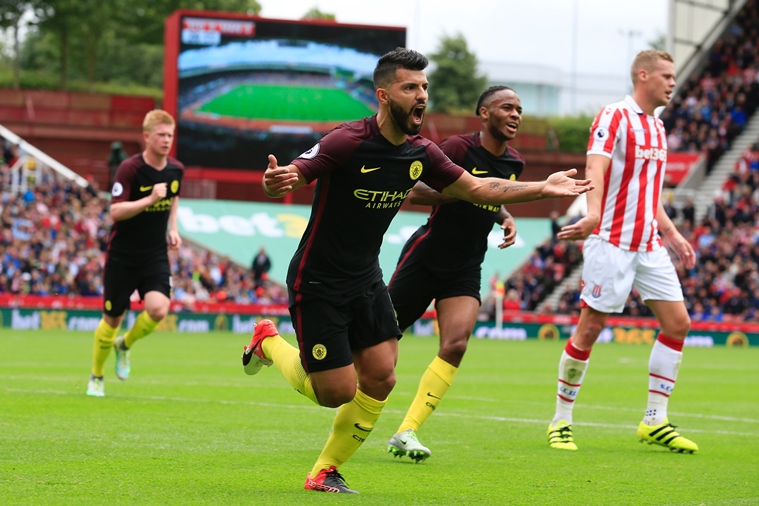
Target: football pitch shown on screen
[[190, 428], [287, 103]]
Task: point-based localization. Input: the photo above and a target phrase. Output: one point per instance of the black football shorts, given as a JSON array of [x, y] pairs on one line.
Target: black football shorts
[[121, 280], [329, 331]]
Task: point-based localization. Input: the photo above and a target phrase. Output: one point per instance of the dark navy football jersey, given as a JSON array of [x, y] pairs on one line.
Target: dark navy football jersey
[[455, 235], [361, 181], [142, 238]]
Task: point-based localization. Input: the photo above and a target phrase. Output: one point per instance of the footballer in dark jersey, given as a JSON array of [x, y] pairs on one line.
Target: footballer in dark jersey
[[141, 239], [442, 260], [144, 203], [343, 316]]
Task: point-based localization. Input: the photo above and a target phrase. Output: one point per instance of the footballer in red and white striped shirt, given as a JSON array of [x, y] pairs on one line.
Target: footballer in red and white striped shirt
[[624, 231], [637, 146]]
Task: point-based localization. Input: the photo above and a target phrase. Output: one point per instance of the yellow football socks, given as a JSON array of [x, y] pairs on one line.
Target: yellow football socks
[[434, 384], [287, 359], [352, 425], [104, 336], [143, 325]]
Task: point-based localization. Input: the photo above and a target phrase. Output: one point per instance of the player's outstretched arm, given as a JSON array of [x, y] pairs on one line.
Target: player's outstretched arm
[[279, 181], [496, 191], [561, 184], [423, 195]]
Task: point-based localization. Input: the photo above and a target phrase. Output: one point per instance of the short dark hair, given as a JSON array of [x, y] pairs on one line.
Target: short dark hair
[[486, 94], [398, 58]]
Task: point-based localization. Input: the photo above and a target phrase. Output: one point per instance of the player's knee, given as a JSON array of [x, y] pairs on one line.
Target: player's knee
[[158, 313], [379, 383], [113, 321], [387, 383], [585, 338], [334, 398], [452, 350], [677, 328]]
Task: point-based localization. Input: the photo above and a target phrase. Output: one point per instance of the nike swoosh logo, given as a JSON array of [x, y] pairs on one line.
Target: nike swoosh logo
[[475, 171], [361, 428], [364, 170], [145, 188], [430, 394]]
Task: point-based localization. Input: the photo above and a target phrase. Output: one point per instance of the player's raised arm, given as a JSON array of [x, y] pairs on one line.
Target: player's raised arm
[[499, 191], [130, 208], [279, 181]]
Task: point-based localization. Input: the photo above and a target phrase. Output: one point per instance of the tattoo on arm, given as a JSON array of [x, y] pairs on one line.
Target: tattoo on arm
[[507, 188]]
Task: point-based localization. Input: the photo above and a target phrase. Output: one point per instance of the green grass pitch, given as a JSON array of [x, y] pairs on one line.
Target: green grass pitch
[[189, 428], [287, 103]]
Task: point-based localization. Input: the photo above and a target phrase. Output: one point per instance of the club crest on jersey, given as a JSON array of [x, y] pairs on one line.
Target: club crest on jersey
[[415, 170], [596, 292], [311, 153], [174, 186], [117, 190], [601, 133]]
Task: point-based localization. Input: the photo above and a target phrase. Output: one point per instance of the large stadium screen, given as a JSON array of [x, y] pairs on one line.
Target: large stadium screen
[[242, 87]]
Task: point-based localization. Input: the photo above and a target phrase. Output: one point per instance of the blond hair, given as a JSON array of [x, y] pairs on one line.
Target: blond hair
[[156, 117], [647, 60]]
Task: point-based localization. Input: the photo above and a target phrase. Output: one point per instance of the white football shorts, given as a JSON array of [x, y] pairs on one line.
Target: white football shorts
[[609, 273]]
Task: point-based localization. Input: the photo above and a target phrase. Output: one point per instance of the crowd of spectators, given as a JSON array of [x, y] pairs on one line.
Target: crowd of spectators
[[709, 111], [547, 267], [8, 154], [712, 107], [204, 276], [53, 239], [54, 235], [724, 284], [50, 240]]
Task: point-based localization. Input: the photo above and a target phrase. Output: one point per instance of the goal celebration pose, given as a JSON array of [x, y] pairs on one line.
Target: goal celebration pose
[[442, 260], [343, 316]]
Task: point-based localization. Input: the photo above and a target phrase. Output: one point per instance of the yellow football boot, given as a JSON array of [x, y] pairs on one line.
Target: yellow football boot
[[665, 435], [560, 436]]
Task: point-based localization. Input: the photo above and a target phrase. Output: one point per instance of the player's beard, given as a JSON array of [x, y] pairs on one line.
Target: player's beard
[[401, 118], [497, 134]]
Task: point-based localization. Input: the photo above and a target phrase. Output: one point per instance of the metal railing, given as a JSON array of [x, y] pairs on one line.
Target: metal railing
[[33, 164]]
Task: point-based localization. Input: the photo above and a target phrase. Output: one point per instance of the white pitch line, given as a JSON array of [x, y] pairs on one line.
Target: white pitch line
[[394, 411], [596, 407], [592, 424]]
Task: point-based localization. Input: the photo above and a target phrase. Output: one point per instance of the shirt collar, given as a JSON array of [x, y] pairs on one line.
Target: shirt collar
[[633, 104]]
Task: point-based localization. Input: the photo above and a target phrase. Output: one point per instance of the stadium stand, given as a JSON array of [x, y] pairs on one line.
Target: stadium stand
[[53, 238], [54, 231], [713, 106], [709, 112]]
